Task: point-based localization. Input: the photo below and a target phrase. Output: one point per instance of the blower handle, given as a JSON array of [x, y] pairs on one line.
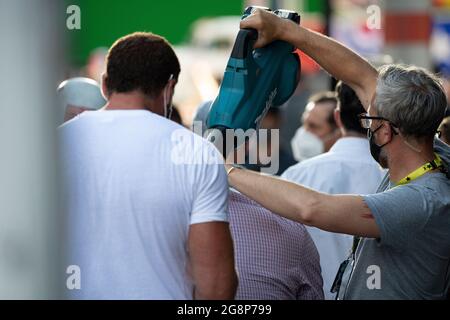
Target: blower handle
[[288, 14], [246, 38], [243, 45]]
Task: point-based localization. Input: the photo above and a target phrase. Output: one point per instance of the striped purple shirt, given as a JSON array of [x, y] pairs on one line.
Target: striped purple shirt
[[276, 258]]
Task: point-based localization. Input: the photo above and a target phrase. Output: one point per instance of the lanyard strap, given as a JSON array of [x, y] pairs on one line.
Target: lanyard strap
[[429, 166], [356, 240]]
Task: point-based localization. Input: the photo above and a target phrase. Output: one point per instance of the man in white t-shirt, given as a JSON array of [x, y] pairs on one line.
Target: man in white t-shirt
[[146, 200]]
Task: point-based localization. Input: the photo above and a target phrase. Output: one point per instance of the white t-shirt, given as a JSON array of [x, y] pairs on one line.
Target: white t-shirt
[[133, 184]]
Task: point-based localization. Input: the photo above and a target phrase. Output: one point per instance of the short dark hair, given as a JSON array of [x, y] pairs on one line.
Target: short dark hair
[[350, 107], [326, 97], [140, 61]]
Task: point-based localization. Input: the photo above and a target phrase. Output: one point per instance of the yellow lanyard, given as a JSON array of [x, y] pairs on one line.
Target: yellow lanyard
[[429, 166]]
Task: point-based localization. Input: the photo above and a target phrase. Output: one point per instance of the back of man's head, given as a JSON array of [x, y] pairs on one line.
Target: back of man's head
[[326, 99], [412, 98], [349, 108], [140, 61]]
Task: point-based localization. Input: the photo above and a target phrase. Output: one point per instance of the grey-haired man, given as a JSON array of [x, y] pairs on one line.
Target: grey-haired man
[[405, 250]]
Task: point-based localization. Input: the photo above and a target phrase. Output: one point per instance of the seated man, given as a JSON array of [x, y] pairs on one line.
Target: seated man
[[275, 258]]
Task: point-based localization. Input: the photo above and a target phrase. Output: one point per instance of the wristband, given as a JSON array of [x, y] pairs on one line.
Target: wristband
[[230, 169]]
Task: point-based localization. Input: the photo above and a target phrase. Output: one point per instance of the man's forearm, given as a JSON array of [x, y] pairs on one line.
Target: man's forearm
[[338, 60], [226, 290], [212, 261], [335, 213], [287, 199]]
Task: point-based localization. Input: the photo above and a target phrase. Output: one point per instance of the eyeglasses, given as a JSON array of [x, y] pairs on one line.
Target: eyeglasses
[[366, 121]]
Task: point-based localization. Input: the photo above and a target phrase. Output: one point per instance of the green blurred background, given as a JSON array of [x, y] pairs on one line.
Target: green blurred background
[[104, 21]]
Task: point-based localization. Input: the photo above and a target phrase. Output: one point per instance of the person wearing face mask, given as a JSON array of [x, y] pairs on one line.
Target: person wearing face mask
[[140, 223], [319, 131], [403, 245], [336, 172]]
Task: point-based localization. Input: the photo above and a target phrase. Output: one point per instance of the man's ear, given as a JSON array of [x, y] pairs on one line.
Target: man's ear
[[338, 120], [386, 134], [172, 84], [337, 117], [105, 92]]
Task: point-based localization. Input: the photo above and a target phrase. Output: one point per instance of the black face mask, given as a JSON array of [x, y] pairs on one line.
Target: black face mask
[[375, 149]]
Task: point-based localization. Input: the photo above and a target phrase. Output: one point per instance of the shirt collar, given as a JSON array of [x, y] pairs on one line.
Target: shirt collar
[[355, 143]]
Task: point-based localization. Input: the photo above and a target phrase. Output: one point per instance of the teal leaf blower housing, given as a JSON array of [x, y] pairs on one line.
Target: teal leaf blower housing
[[255, 80]]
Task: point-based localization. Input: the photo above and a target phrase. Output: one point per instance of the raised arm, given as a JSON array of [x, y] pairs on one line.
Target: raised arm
[[335, 58]]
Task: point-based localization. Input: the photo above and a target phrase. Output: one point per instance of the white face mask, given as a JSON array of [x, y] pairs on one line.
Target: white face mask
[[167, 109], [306, 145]]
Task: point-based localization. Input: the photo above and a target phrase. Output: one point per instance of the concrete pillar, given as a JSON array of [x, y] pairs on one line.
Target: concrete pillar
[[30, 56]]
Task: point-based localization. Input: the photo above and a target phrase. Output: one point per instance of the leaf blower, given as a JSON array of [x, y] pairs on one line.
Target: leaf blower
[[254, 81]]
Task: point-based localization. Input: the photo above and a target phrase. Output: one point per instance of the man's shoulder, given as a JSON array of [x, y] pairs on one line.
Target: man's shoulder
[[143, 120], [311, 162], [315, 163], [425, 196], [435, 185], [327, 157]]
